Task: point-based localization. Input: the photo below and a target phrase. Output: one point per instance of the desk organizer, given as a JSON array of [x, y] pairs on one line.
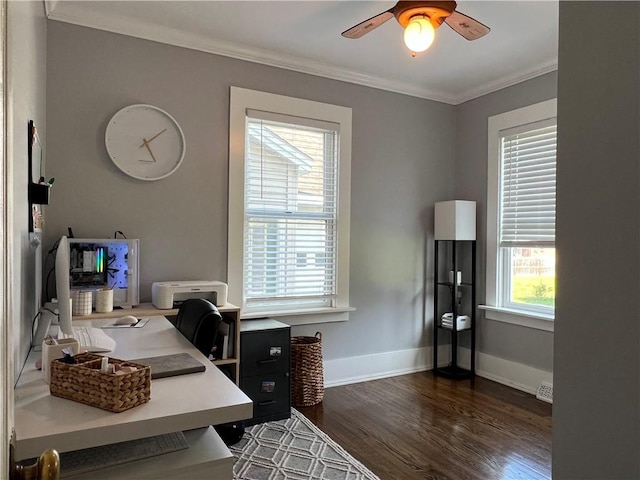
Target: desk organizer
[[84, 382], [53, 352]]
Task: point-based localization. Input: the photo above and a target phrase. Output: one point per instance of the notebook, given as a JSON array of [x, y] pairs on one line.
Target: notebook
[[171, 365]]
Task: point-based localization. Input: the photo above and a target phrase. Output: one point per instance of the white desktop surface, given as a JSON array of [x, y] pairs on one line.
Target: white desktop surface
[[177, 403]]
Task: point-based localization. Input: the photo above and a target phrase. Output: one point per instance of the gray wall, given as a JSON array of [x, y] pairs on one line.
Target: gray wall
[[510, 342], [403, 162], [26, 77], [596, 411]]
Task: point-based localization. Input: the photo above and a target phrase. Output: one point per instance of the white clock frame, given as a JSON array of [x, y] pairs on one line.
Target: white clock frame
[[145, 142]]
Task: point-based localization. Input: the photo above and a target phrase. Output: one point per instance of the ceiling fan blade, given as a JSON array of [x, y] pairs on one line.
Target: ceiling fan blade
[[466, 26], [360, 29]]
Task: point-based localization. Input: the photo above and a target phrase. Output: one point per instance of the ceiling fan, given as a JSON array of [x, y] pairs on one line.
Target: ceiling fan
[[420, 19]]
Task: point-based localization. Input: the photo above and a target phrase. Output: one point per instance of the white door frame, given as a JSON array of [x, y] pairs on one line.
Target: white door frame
[[6, 313]]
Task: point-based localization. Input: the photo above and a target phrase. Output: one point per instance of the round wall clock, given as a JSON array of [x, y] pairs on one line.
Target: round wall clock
[[145, 142]]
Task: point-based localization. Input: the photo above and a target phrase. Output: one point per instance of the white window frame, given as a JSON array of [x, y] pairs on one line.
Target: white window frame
[[522, 116], [242, 100]]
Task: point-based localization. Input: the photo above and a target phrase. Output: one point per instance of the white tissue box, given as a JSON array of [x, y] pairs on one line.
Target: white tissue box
[[462, 322]]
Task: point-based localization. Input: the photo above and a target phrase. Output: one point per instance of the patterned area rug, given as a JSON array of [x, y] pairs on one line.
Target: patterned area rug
[[293, 449]]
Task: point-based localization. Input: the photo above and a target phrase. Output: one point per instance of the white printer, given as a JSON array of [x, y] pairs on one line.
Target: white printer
[[166, 295]]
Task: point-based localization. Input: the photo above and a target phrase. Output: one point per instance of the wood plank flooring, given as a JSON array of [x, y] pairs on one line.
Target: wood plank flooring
[[420, 426]]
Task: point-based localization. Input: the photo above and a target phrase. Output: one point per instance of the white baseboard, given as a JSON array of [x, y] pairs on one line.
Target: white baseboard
[[363, 368], [517, 375], [344, 371]]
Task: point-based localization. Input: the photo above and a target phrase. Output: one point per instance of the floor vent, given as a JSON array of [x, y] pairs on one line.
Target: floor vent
[[545, 392]]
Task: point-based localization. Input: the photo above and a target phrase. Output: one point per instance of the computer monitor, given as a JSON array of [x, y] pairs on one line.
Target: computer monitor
[[89, 338], [63, 291]]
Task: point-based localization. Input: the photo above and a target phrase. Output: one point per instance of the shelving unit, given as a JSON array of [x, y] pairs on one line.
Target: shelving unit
[[455, 293], [231, 314]]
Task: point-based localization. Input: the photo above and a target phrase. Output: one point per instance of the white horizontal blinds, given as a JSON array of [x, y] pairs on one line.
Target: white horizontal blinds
[[528, 185], [290, 212]]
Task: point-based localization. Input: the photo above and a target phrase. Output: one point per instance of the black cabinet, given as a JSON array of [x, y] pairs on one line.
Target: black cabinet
[[265, 365], [454, 302]]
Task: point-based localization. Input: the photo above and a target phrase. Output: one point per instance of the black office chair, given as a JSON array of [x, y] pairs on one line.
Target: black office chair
[[199, 320]]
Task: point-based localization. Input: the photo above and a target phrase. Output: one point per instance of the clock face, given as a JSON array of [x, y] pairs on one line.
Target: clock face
[[145, 142]]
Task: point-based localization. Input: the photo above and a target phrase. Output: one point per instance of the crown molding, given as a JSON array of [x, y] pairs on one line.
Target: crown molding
[[49, 6], [166, 35], [514, 79]]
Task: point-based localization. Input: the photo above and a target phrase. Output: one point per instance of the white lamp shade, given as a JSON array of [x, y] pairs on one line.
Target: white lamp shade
[[455, 220], [419, 34]]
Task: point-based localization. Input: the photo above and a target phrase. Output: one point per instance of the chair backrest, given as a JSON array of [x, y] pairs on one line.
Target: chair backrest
[[198, 320]]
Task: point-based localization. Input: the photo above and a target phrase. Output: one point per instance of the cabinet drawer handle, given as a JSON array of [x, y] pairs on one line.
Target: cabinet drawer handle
[[269, 360], [268, 402]]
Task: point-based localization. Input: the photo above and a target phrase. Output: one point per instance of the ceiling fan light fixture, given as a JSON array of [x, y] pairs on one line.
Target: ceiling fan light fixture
[[419, 33]]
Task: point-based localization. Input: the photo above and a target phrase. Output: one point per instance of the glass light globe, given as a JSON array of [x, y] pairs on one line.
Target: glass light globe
[[419, 34]]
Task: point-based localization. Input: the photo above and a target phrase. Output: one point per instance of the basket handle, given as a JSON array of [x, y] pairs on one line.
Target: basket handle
[[319, 336]]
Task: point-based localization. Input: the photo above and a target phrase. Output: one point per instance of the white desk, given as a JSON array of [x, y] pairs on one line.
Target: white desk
[[177, 403]]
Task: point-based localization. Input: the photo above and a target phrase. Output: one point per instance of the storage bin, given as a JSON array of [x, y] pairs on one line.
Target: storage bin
[[307, 371], [84, 382]]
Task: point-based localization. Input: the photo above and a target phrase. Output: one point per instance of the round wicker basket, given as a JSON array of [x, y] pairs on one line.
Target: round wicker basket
[[307, 372]]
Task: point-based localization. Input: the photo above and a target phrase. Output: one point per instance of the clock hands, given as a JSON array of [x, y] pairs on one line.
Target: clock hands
[[152, 138], [145, 143]]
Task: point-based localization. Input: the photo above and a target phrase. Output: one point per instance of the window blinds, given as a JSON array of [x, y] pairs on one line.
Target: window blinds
[[528, 185], [290, 212]]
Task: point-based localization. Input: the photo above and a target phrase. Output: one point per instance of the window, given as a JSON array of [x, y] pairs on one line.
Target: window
[[289, 178], [521, 216]]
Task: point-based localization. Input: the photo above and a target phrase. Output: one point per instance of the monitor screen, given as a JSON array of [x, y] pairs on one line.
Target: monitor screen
[[62, 286]]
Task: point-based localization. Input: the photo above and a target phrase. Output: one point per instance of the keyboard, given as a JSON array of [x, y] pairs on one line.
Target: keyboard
[[96, 458], [92, 339]]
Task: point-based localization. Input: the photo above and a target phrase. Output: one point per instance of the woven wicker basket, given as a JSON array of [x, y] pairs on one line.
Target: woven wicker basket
[[307, 372], [84, 382]]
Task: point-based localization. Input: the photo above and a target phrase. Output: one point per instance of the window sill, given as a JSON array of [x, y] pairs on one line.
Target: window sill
[[537, 321], [305, 317]]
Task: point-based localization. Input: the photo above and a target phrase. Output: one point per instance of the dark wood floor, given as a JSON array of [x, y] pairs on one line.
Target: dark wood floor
[[420, 426]]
